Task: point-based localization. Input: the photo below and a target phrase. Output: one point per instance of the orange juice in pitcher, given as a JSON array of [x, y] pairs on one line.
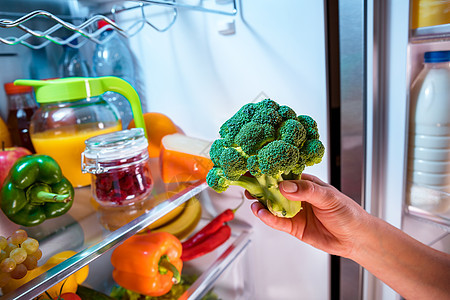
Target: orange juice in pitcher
[[66, 148]]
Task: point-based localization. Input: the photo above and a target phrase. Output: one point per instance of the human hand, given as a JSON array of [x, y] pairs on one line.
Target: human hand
[[329, 220]]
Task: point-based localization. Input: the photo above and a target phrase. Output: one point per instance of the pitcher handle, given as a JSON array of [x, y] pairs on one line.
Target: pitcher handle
[[118, 85]]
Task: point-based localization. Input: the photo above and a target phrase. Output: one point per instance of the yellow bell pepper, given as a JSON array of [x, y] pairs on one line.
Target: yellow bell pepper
[[70, 283]]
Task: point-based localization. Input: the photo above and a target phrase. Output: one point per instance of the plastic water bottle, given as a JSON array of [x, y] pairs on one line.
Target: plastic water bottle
[[73, 64], [429, 157], [113, 58], [40, 66]]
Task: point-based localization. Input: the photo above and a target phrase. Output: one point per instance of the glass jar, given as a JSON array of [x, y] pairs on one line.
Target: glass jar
[[119, 166]]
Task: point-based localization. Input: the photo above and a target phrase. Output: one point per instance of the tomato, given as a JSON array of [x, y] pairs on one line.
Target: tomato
[[68, 296]]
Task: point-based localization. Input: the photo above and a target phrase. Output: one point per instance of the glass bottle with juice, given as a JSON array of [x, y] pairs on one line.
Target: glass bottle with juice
[[21, 107]]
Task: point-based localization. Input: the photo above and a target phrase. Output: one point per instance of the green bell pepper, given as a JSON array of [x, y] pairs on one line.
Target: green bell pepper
[[35, 190]]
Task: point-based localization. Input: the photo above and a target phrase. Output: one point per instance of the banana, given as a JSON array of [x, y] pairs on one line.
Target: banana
[[186, 222], [171, 215]]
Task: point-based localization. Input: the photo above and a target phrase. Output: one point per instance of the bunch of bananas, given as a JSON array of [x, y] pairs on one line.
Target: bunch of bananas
[[181, 221]]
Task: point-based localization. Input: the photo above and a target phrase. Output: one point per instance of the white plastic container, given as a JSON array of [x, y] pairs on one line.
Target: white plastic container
[[429, 155]]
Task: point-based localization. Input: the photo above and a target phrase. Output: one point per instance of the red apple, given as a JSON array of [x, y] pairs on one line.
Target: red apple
[[8, 156]]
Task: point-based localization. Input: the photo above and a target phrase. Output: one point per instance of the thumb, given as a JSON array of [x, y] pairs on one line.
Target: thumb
[[306, 190]]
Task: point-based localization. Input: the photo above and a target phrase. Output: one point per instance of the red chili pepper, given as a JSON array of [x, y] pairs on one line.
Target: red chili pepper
[[207, 245], [209, 229]]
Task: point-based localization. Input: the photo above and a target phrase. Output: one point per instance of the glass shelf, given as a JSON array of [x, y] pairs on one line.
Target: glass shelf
[[206, 280], [82, 229], [428, 204], [424, 215], [223, 272], [425, 34]]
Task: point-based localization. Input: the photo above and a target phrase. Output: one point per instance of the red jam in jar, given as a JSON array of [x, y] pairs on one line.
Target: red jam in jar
[[119, 164]]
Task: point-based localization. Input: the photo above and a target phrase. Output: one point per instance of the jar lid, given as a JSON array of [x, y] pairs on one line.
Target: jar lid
[[108, 147], [436, 56], [12, 89], [116, 145]]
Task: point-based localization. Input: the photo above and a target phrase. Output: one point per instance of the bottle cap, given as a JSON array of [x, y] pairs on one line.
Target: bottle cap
[[12, 89], [437, 56], [103, 23]]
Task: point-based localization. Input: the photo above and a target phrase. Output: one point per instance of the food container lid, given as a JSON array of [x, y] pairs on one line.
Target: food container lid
[[117, 146], [75, 88], [436, 56], [102, 23], [12, 89]]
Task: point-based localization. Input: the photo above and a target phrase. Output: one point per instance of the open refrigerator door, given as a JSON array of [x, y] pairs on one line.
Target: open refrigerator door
[[403, 185]]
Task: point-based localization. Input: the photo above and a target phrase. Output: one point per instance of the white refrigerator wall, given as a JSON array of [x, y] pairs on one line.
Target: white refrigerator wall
[[200, 78]]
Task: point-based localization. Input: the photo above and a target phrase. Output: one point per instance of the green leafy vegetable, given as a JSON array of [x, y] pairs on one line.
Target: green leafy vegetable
[[270, 142]]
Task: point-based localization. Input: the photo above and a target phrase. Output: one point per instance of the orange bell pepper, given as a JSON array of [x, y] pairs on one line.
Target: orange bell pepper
[[148, 263]]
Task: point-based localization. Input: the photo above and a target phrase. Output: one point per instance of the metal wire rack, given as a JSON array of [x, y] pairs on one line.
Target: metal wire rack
[[87, 31]]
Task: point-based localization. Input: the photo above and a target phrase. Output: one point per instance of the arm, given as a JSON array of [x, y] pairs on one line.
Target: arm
[[334, 223], [411, 268]]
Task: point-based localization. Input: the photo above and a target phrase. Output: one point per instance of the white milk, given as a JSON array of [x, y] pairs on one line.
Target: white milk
[[429, 147]]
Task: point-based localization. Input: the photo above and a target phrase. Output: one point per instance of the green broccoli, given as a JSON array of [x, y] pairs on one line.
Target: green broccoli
[[260, 146]]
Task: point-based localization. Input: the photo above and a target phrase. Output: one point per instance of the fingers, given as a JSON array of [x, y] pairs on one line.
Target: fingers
[[314, 179], [248, 195], [269, 219], [309, 191]]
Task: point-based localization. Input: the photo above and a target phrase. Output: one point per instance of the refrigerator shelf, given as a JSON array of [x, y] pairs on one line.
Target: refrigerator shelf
[[433, 218], [207, 279], [82, 231], [212, 271], [86, 31], [424, 34]]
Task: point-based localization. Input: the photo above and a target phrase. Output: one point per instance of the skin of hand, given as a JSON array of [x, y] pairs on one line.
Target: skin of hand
[[328, 220], [334, 223]]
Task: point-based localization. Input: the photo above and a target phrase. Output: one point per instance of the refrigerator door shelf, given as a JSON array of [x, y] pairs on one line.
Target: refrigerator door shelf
[[428, 203], [425, 34], [431, 218]]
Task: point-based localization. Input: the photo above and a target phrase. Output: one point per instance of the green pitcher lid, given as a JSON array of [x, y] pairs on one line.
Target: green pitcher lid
[[65, 89], [76, 88]]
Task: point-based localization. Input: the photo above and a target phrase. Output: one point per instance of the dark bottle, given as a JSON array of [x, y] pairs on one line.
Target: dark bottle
[[21, 107]]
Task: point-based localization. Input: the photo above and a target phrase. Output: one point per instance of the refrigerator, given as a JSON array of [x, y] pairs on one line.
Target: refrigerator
[[348, 64], [396, 44]]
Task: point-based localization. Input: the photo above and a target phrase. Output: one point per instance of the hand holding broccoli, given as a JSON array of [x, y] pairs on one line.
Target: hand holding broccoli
[[270, 142]]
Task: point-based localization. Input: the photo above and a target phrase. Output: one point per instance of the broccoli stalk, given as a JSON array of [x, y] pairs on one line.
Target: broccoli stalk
[[272, 198], [270, 142]]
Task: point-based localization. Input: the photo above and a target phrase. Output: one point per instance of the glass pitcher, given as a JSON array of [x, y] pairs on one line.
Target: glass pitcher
[[73, 110]]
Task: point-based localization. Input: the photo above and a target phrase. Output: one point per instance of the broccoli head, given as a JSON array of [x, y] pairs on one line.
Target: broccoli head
[[270, 142]]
